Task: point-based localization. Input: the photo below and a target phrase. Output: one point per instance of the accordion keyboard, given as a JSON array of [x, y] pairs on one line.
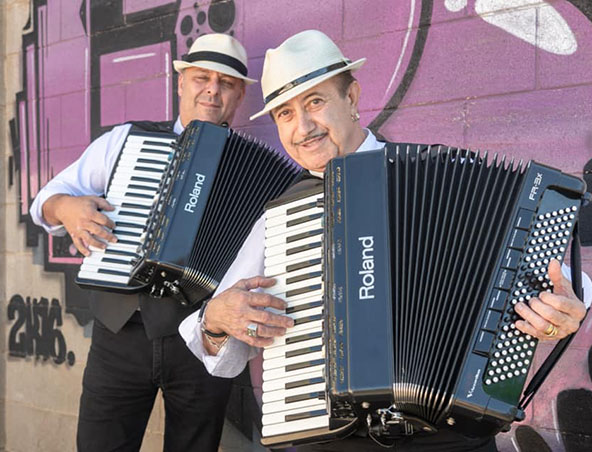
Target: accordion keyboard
[[293, 369], [132, 191]]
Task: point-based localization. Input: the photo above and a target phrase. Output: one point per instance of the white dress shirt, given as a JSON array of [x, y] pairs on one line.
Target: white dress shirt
[[89, 175]]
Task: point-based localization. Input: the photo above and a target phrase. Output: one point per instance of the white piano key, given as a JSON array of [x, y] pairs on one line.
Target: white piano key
[[283, 219], [284, 248], [119, 201], [124, 172], [291, 230], [282, 268], [136, 155], [131, 165], [282, 394], [281, 372], [284, 362], [278, 352], [280, 383], [294, 258], [283, 239], [103, 277], [281, 210], [281, 406], [139, 138], [281, 278], [295, 426], [278, 418], [297, 333], [281, 288], [96, 257], [92, 266]]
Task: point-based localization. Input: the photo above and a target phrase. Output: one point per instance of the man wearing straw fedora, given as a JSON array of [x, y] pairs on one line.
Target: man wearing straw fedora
[[313, 99], [136, 348]]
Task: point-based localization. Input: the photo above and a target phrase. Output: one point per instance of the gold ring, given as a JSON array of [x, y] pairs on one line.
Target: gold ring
[[551, 330]]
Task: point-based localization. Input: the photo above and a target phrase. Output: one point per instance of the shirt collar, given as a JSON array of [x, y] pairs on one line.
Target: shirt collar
[[178, 127], [370, 143]]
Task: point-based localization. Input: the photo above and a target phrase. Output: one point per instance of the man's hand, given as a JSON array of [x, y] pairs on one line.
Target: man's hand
[[237, 307], [82, 218], [561, 309]]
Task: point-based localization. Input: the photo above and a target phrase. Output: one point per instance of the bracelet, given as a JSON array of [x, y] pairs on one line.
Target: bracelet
[[214, 344], [202, 319]]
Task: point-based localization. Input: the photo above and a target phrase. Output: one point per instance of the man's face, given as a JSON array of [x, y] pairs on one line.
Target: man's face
[[317, 125], [208, 96]]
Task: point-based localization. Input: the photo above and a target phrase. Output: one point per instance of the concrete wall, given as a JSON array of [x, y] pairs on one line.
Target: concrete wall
[[505, 75]]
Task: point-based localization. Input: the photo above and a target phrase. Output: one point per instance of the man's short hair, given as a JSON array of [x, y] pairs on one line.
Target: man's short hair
[[343, 80]]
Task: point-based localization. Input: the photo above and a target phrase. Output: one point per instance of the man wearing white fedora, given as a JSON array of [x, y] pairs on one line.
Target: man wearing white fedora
[[136, 348], [313, 99]]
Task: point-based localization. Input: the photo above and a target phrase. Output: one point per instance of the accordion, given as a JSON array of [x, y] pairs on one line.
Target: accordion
[[401, 274], [182, 210]]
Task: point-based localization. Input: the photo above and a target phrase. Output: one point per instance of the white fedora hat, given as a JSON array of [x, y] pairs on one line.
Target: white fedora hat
[[217, 52], [299, 63]]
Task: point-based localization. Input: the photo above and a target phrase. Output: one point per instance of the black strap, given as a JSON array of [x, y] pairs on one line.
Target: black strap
[[153, 126], [216, 57]]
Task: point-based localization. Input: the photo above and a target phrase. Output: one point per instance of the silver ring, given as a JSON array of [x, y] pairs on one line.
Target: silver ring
[[252, 329]]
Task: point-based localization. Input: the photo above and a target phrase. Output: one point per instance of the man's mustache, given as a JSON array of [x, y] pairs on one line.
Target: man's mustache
[[311, 137]]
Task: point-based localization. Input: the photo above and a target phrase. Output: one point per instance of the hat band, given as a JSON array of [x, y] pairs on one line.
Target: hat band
[[217, 57], [305, 78]]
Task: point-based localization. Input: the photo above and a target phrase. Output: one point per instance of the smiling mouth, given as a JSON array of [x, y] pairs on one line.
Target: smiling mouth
[[311, 141]]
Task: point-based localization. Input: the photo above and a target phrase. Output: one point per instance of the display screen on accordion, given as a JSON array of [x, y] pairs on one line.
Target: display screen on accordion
[[406, 311], [183, 212]]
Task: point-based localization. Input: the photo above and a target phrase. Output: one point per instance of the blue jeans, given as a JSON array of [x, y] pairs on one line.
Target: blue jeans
[[122, 377]]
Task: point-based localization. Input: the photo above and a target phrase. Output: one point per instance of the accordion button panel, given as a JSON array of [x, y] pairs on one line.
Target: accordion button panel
[[293, 366]]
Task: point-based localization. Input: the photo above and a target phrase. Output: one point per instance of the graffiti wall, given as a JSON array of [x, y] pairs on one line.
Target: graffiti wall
[[504, 75]]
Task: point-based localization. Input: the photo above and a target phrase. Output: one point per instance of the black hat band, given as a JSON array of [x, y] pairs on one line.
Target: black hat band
[[216, 57]]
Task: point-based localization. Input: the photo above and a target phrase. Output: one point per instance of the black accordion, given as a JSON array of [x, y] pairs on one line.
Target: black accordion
[[183, 208], [401, 272]]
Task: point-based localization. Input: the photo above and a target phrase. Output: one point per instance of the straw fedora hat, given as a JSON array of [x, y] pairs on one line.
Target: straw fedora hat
[[299, 63], [217, 52]]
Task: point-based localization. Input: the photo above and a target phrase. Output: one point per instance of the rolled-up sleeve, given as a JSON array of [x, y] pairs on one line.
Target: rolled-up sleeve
[[89, 175], [234, 356]]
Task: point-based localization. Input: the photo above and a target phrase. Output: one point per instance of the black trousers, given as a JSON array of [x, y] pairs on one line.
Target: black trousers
[[122, 377]]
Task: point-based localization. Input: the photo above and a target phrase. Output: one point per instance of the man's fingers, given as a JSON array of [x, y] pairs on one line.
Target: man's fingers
[[265, 300], [270, 331], [90, 240], [532, 317], [102, 203], [548, 312], [561, 286], [101, 219], [254, 283], [99, 231], [270, 319], [80, 246]]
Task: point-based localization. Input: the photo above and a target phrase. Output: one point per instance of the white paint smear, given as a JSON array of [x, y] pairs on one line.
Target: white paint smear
[[519, 18]]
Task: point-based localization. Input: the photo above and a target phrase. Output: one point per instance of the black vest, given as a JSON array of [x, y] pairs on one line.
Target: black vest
[[161, 316]]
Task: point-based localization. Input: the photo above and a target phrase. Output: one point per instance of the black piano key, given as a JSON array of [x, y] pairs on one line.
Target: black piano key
[[124, 224], [306, 415], [303, 337], [310, 318], [304, 264], [141, 187], [155, 143], [293, 293], [300, 208], [148, 169], [133, 214], [128, 233], [128, 242], [301, 248], [145, 179], [295, 279], [114, 261], [303, 235], [108, 271], [120, 252], [304, 307], [304, 219], [150, 161], [154, 151], [302, 365], [131, 205], [303, 351], [138, 195], [307, 382], [300, 397]]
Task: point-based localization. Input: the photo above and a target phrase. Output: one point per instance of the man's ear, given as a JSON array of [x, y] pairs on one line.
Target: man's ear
[[353, 93], [180, 84]]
